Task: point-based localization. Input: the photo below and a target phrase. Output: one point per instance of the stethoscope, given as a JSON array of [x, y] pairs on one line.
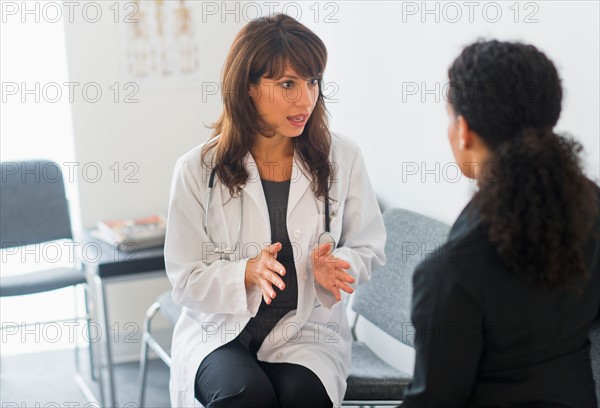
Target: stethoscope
[[324, 237]]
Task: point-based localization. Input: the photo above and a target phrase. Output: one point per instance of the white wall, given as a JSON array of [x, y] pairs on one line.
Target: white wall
[[36, 116]]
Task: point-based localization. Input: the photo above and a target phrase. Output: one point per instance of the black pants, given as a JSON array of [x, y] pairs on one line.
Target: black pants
[[231, 376]]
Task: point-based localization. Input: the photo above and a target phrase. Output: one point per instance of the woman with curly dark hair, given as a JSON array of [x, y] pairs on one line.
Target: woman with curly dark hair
[[502, 311]]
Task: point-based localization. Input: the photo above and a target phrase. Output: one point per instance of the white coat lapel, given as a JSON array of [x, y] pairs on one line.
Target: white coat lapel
[[220, 221], [254, 190], [300, 183]]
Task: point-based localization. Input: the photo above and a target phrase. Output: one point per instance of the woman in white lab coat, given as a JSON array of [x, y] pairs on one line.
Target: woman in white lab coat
[[264, 323]]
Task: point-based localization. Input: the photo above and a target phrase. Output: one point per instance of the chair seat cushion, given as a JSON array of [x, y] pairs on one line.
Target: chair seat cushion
[[42, 281], [373, 379], [168, 308]]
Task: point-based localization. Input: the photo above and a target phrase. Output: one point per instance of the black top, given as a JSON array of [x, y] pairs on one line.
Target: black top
[[486, 337], [267, 317]]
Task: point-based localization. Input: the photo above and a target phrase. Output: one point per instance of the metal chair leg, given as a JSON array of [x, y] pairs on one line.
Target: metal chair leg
[[88, 321], [79, 380], [89, 332], [76, 348], [150, 313]]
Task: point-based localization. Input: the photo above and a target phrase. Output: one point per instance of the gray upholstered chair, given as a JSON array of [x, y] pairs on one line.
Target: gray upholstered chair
[[385, 301], [171, 312], [34, 210]]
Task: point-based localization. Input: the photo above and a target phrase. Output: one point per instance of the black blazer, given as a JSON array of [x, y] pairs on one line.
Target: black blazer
[[487, 338]]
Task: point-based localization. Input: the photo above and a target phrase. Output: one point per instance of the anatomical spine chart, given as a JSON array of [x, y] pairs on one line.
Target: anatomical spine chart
[[161, 42]]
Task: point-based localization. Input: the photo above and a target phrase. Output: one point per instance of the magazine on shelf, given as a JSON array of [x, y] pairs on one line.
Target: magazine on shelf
[[133, 234]]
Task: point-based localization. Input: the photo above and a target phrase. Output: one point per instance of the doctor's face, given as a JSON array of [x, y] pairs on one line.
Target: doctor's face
[[285, 104]]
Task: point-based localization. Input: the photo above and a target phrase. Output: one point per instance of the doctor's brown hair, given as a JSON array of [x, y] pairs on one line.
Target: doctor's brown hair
[[539, 209], [263, 48]]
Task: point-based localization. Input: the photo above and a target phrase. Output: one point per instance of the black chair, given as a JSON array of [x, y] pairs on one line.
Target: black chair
[[385, 301], [34, 210]]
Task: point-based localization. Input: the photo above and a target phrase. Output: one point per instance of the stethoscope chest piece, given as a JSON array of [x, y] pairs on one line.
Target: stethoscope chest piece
[[326, 237]]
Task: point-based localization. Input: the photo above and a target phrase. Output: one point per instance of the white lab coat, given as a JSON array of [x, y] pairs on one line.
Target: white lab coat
[[216, 303]]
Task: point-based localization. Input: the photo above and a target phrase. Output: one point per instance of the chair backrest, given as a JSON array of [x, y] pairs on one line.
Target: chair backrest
[[386, 299], [595, 355], [33, 205]]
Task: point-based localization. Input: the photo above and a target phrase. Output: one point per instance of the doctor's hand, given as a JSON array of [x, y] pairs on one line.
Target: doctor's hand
[[330, 271], [264, 271]]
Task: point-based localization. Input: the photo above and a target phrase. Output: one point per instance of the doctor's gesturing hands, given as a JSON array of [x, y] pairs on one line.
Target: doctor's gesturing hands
[[329, 271], [263, 271]]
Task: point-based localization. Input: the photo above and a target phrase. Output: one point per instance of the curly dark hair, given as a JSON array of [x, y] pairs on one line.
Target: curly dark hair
[[539, 207]]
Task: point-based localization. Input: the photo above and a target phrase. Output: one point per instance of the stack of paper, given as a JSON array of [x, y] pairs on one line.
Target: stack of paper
[[133, 234]]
